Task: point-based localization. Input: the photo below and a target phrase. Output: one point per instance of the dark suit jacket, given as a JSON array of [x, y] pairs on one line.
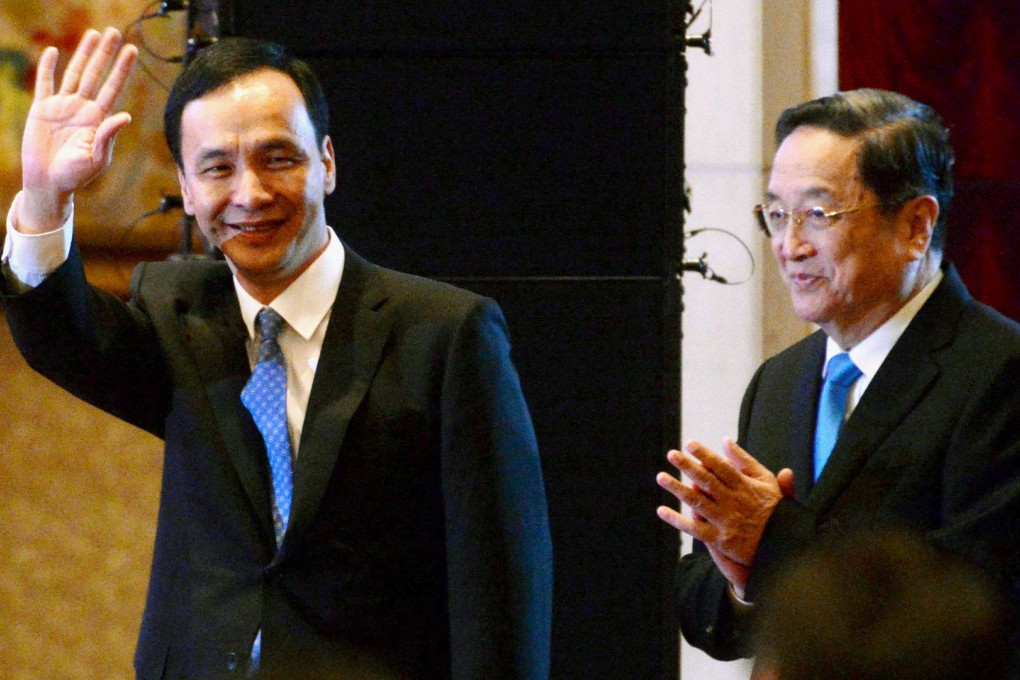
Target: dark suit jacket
[[418, 544], [933, 445]]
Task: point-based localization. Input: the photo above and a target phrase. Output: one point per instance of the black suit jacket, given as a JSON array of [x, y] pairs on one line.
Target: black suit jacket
[[933, 445], [418, 543]]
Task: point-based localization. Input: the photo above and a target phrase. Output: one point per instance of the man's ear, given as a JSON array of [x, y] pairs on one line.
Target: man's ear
[[921, 214], [184, 192], [329, 162]]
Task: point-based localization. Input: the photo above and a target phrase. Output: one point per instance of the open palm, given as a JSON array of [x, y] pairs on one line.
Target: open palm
[[69, 133]]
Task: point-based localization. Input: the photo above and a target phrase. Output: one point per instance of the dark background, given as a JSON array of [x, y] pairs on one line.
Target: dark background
[[531, 150]]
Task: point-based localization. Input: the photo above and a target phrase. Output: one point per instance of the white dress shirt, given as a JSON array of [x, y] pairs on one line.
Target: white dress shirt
[[870, 353], [305, 306]]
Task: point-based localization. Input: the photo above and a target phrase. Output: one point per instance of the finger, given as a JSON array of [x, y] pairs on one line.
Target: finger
[[672, 456], [701, 531], [719, 466], [118, 76], [696, 472], [700, 503], [697, 501], [685, 494], [72, 74], [99, 62], [786, 482], [44, 73], [742, 460], [105, 135], [668, 482]]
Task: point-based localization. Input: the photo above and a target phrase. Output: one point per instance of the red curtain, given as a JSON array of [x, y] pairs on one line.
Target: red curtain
[[962, 58]]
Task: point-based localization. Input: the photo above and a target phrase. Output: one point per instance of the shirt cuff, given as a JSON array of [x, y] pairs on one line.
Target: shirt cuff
[[33, 257]]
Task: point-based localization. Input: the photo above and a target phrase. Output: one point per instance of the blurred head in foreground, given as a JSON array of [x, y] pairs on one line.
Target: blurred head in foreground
[[883, 607]]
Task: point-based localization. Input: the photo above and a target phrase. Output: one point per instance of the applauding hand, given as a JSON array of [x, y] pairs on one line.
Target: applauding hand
[[731, 497]]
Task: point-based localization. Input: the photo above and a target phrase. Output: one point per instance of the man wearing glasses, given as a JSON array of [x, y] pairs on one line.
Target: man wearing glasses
[[902, 410]]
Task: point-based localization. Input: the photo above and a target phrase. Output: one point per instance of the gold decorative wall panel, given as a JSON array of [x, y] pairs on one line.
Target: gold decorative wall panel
[[108, 213]]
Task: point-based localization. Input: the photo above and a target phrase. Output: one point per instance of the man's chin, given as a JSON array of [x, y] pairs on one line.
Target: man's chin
[[809, 311], [256, 261]]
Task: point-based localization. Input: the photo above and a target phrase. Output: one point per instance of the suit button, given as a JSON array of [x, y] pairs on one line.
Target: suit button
[[232, 662]]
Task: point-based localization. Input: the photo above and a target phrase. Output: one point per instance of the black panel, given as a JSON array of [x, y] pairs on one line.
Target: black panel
[[592, 356], [503, 167], [424, 26]]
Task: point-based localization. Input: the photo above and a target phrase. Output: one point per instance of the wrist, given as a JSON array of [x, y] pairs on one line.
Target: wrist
[[42, 211]]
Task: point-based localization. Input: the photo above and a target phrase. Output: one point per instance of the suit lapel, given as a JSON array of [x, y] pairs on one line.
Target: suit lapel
[[802, 429], [890, 397], [357, 332], [215, 331], [901, 382]]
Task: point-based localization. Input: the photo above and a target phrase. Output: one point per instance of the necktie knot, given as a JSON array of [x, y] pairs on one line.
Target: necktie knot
[[269, 323], [842, 370]]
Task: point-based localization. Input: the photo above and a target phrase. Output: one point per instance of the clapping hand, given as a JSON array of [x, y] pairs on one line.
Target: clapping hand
[[731, 496]]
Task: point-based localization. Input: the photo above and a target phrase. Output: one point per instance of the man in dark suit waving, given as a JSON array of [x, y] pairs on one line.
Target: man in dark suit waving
[[903, 410], [351, 483]]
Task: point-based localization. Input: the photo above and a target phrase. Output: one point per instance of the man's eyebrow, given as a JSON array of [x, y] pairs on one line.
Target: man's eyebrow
[[211, 154], [812, 194], [817, 192], [279, 143], [269, 145]]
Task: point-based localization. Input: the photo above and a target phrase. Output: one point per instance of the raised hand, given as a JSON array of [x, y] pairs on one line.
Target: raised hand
[[69, 133]]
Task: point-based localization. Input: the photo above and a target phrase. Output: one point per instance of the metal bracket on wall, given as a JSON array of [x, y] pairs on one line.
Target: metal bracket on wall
[[704, 40]]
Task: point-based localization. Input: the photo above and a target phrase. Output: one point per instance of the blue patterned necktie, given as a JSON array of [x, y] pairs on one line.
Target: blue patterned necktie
[[842, 372], [265, 396]]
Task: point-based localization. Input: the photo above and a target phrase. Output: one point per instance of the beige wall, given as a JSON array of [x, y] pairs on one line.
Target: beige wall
[[79, 491]]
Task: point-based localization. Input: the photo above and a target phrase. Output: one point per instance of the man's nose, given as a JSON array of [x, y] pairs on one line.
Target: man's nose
[[251, 189], [792, 241]]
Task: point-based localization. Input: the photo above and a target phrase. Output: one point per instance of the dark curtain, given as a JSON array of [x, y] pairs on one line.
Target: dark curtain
[[963, 58]]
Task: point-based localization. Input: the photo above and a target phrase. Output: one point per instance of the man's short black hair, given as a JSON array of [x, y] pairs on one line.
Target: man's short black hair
[[229, 59]]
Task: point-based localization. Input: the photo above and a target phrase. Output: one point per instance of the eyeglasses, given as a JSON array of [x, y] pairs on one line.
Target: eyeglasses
[[774, 220]]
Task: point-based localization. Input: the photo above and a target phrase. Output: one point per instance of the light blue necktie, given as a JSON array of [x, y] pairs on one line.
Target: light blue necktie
[[842, 372], [265, 396]]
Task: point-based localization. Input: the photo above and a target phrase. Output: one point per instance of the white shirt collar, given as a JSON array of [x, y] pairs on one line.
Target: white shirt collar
[[870, 352], [307, 301]]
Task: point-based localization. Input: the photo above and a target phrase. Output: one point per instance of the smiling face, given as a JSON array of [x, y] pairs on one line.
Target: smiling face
[[852, 276], [255, 179]]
